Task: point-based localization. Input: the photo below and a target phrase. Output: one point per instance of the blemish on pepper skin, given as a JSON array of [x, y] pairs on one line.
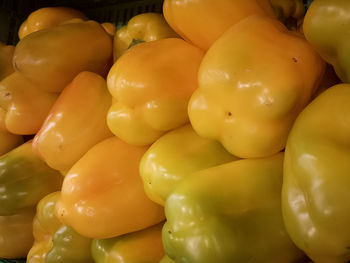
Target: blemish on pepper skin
[[229, 114], [169, 232], [295, 60]]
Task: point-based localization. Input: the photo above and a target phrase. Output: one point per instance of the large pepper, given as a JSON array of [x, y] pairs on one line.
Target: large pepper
[[151, 85], [229, 213], [26, 106], [55, 242], [24, 180], [141, 246], [326, 26], [6, 55], [102, 194], [253, 82], [201, 22], [8, 140], [160, 169], [52, 57], [316, 179], [16, 235], [47, 17], [75, 123], [141, 28]]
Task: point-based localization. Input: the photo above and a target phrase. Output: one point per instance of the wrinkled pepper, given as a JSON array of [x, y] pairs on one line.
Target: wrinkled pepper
[[151, 87], [102, 194], [75, 123], [142, 246], [202, 22], [316, 179], [24, 180], [52, 57], [160, 170], [6, 55], [141, 28], [16, 235], [8, 140], [47, 17], [25, 105], [326, 26], [229, 213], [248, 99], [55, 242]]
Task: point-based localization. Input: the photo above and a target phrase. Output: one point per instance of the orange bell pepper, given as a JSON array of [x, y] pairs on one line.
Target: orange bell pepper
[[6, 55]]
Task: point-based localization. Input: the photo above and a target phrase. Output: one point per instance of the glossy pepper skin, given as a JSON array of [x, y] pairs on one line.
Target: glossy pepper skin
[[8, 140], [141, 28], [151, 87], [160, 170], [47, 17], [326, 26], [201, 22], [6, 55], [52, 57], [24, 180], [248, 99], [142, 246], [75, 123], [16, 236], [55, 242], [25, 105], [229, 213], [317, 178], [104, 190]]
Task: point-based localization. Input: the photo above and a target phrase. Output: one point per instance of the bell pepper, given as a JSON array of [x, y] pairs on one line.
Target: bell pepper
[[47, 17], [229, 213], [24, 180], [141, 28], [25, 105], [8, 140], [326, 27], [6, 55], [102, 194], [52, 57], [75, 123], [142, 246], [290, 12], [160, 170], [202, 22], [166, 259], [151, 85], [55, 242], [16, 235], [316, 179], [253, 82], [110, 28]]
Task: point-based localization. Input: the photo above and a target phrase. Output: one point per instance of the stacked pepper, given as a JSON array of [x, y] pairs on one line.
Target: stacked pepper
[[211, 134]]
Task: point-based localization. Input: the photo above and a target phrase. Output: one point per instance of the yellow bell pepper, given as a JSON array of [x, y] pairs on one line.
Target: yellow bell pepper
[[76, 122], [16, 235], [26, 106], [253, 82], [47, 17], [141, 246], [8, 140], [51, 58], [201, 22], [110, 28], [151, 85], [141, 28], [102, 195], [55, 242], [6, 55], [316, 182], [165, 164]]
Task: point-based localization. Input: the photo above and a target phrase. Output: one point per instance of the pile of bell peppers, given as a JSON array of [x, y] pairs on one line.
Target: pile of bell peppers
[[216, 132]]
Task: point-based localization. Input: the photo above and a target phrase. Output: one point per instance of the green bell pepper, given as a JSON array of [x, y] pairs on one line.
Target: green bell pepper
[[316, 183], [25, 179], [229, 213], [160, 170], [327, 27]]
